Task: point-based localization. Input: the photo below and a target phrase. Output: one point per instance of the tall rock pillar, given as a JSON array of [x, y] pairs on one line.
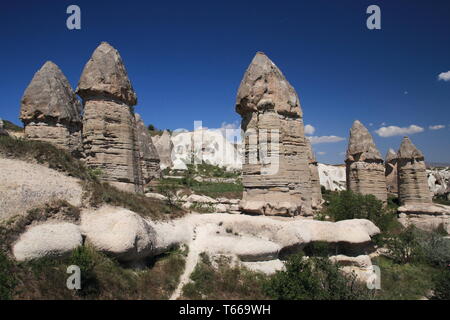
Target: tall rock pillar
[[364, 165], [390, 165], [109, 137], [50, 110], [148, 155], [276, 175], [412, 175], [315, 179]]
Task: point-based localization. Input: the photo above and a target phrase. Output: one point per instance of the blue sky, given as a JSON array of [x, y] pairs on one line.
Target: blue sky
[[186, 59]]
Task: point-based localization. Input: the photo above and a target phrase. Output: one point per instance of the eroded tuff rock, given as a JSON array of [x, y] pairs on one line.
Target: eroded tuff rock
[[390, 165], [364, 165], [3, 132], [148, 156], [412, 175], [164, 146], [276, 176], [109, 137], [315, 179], [50, 111]]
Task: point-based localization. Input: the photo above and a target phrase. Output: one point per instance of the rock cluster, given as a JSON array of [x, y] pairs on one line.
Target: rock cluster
[[315, 179], [108, 136], [164, 146], [390, 165], [50, 111], [412, 175], [276, 176], [364, 165]]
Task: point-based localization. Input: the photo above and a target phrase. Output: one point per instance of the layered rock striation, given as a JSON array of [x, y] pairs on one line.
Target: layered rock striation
[[276, 175], [50, 110], [412, 175], [109, 126], [148, 156], [364, 165], [316, 191]]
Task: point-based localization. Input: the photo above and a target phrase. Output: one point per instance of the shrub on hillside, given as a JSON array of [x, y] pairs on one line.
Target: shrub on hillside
[[345, 205], [441, 288], [314, 278], [7, 280]]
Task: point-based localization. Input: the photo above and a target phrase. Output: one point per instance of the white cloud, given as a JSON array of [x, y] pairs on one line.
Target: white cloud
[[398, 131], [436, 127], [233, 125], [309, 129], [383, 124], [371, 124], [325, 139], [321, 153], [444, 76]]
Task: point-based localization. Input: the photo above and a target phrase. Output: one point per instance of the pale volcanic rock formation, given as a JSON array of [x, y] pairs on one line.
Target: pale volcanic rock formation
[[390, 164], [164, 146], [364, 165], [50, 110], [412, 175], [315, 179], [148, 156], [276, 175], [3, 132], [109, 138]]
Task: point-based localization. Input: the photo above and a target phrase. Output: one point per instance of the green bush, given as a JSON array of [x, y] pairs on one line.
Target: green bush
[[314, 278], [7, 280], [84, 258], [345, 205], [441, 288]]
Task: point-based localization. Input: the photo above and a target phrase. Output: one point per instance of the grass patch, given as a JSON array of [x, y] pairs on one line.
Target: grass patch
[[102, 277], [223, 282], [404, 281]]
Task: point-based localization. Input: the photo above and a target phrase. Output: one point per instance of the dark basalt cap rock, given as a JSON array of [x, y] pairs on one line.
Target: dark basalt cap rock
[[50, 96], [105, 75], [408, 150], [361, 145], [265, 87]]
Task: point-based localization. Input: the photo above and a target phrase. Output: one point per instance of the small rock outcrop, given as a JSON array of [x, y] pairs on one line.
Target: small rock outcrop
[[50, 111], [412, 175], [364, 165], [109, 137], [148, 156], [276, 176], [315, 179], [47, 240], [118, 232], [390, 165], [164, 146]]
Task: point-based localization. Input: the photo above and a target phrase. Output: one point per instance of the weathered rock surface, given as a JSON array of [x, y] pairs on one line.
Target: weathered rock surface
[[26, 185], [164, 147], [315, 179], [390, 164], [3, 132], [439, 180], [364, 165], [50, 110], [426, 216], [118, 232], [47, 240], [148, 156], [412, 176], [332, 177], [109, 137], [276, 175]]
